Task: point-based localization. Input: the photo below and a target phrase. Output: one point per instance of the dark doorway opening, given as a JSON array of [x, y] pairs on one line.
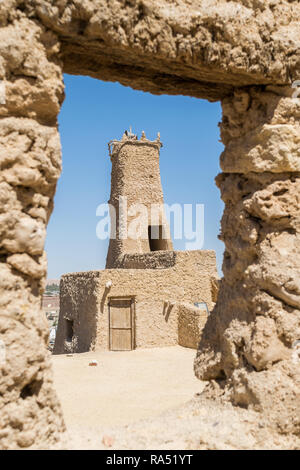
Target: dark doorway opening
[[69, 330], [157, 238]]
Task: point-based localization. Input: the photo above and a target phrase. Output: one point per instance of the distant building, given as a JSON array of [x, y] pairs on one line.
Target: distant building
[[146, 296], [50, 305]]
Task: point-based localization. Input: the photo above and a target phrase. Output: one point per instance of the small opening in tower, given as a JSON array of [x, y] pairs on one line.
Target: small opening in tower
[[157, 239], [69, 329]]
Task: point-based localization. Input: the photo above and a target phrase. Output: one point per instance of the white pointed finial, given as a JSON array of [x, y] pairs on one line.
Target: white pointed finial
[[143, 136]]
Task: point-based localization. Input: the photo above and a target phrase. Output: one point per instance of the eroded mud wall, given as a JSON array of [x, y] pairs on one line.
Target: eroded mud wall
[[249, 345], [31, 95]]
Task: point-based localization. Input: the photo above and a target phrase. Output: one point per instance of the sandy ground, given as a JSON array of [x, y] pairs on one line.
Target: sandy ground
[[125, 386], [150, 399]]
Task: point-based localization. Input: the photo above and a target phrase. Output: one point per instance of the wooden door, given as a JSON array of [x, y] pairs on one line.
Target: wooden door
[[121, 324]]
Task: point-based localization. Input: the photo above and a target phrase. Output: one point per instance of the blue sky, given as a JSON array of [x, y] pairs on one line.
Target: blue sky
[[95, 112]]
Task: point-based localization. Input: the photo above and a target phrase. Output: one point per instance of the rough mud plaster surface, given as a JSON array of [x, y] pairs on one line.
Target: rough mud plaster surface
[[190, 47], [30, 414], [79, 303], [248, 344], [158, 294], [191, 321], [154, 260]]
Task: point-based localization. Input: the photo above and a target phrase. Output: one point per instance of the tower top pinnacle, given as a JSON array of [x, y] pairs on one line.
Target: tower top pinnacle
[[129, 137]]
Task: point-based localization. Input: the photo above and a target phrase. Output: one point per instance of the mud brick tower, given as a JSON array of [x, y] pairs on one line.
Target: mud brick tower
[[136, 191]]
